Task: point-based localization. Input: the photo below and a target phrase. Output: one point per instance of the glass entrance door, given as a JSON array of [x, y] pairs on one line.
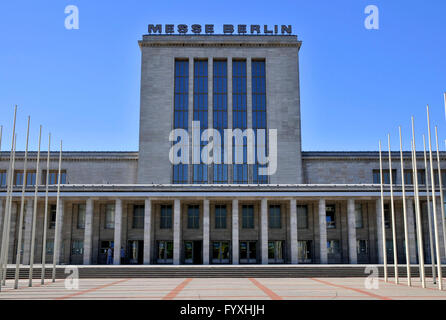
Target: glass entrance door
[[276, 252], [193, 252], [248, 251], [305, 251], [135, 251], [165, 252], [220, 252]]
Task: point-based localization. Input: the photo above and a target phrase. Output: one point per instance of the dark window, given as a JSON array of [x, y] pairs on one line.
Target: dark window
[[3, 178], [181, 113], [362, 246], [54, 176], [200, 174], [302, 217], [53, 214], [77, 247], [259, 114], [138, 217], [220, 115], [220, 217], [274, 217], [247, 217], [408, 176], [49, 247], [387, 216], [193, 217], [166, 217], [333, 247], [331, 216], [443, 177], [110, 216], [386, 176], [30, 178], [239, 118], [359, 216], [81, 216]]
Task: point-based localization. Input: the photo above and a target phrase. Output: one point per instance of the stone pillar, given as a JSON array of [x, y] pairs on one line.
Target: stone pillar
[[27, 234], [379, 231], [351, 221], [2, 217], [235, 231], [264, 230], [322, 232], [118, 232], [58, 232], [441, 235], [12, 232], [176, 231], [206, 244], [88, 232], [147, 230], [293, 231], [411, 230]]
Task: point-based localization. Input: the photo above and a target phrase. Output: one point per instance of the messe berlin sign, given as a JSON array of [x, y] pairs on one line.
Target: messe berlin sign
[[227, 29]]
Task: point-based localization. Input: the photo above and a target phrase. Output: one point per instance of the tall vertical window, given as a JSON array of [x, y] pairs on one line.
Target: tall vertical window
[[220, 114], [193, 217], [30, 178], [259, 114], [52, 216], [239, 117], [359, 216], [110, 216], [2, 178], [302, 217], [247, 217], [138, 217], [166, 217], [220, 216], [331, 216], [81, 216], [274, 217], [200, 174], [181, 113]]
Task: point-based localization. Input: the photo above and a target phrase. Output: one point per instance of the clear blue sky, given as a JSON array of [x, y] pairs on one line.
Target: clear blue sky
[[356, 84]]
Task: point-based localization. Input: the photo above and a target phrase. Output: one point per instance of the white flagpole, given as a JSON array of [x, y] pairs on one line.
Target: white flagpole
[[434, 205], [406, 233], [395, 252], [418, 211], [58, 216], [382, 215], [45, 219], [431, 240], [6, 254], [5, 235], [33, 232], [440, 181], [22, 207]]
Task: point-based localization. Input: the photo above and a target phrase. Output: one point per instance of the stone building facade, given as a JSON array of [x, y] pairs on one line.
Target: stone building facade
[[318, 208]]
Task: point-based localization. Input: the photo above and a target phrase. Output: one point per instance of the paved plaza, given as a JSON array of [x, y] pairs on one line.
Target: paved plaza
[[223, 289]]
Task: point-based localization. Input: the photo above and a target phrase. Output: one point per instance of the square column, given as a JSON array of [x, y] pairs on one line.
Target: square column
[[147, 230], [27, 234], [235, 231], [118, 232], [176, 231], [2, 217], [293, 231], [206, 231], [379, 231], [322, 232], [58, 231], [88, 232], [411, 230], [351, 221], [264, 230]]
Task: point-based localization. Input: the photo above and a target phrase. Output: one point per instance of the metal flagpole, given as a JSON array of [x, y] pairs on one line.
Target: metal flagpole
[[395, 253], [8, 222], [58, 216], [434, 205], [5, 235], [22, 207], [418, 211], [33, 232], [382, 215], [440, 182], [406, 233], [431, 240], [45, 219]]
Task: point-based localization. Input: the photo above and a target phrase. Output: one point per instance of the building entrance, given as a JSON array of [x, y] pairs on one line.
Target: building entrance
[[165, 252], [248, 251], [305, 251], [220, 252], [276, 251], [135, 251], [193, 253]]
